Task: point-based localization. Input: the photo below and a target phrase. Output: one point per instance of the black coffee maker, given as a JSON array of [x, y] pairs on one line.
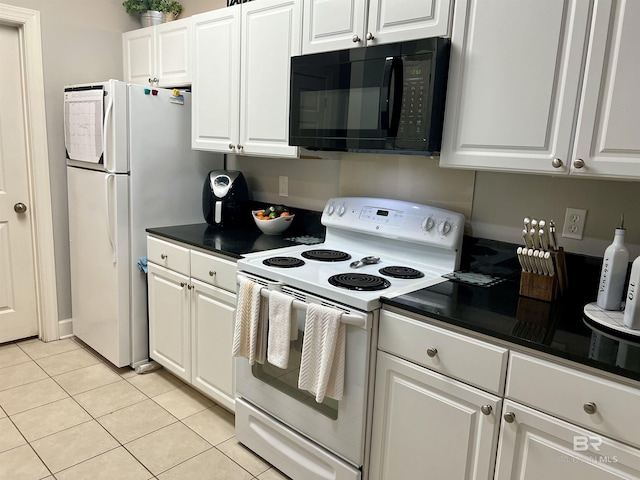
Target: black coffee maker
[[225, 198]]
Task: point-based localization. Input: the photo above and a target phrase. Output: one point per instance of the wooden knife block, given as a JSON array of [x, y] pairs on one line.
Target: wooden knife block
[[545, 287]]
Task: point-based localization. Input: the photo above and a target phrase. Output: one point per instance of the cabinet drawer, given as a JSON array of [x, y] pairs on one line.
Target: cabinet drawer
[[168, 255], [467, 359], [214, 270], [564, 392]]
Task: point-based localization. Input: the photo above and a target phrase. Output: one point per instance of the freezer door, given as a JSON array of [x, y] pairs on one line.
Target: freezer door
[[99, 250], [95, 126]]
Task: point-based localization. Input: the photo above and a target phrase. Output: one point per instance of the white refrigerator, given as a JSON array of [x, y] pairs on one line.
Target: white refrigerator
[[129, 166]]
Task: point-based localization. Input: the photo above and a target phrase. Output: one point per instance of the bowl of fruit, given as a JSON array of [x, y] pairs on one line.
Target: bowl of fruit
[[273, 220]]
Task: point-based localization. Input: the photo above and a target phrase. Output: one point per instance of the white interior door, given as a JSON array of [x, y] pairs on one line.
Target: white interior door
[[18, 316]]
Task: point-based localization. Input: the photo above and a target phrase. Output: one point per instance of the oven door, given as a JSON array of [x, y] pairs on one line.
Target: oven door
[[338, 426]]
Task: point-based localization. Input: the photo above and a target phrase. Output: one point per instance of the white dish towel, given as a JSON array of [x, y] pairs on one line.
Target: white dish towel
[[323, 353], [246, 333], [279, 329]]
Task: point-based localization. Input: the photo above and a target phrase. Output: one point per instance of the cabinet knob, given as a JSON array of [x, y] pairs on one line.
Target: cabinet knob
[[19, 207], [432, 352], [370, 36], [212, 273], [590, 408], [183, 284], [486, 409], [231, 146], [509, 417], [557, 163], [578, 163], [239, 147], [189, 287], [163, 256], [355, 39]]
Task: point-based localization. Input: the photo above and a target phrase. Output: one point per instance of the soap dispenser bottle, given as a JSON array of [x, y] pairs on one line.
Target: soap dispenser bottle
[[631, 318], [614, 272]]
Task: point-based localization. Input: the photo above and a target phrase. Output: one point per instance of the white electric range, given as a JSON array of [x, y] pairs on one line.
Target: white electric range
[[373, 247]]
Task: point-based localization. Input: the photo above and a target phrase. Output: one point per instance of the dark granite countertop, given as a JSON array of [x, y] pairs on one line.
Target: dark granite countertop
[[557, 328], [237, 240]]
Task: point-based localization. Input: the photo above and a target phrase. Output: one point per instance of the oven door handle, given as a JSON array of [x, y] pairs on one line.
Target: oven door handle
[[346, 318]]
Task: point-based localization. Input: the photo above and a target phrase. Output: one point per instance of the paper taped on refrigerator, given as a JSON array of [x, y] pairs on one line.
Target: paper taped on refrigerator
[[83, 127]]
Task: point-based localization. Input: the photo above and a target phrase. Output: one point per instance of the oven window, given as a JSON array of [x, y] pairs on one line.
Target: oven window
[[287, 380]]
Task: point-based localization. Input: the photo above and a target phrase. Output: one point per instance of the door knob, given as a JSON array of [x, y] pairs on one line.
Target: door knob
[[20, 207]]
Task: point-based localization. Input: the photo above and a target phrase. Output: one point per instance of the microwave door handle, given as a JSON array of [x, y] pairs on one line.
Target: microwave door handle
[[390, 114]]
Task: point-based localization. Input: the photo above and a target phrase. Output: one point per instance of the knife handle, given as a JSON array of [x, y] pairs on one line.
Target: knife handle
[[527, 239]]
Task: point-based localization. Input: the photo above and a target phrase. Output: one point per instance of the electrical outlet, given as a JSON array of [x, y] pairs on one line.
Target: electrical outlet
[[574, 220], [283, 189]]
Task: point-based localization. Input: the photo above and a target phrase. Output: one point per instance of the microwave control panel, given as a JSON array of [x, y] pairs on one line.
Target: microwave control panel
[[412, 125]]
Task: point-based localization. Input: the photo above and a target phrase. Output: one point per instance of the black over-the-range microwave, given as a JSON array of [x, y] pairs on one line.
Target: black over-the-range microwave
[[381, 98]]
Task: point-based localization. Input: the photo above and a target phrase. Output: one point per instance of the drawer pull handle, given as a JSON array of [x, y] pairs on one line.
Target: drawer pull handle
[[486, 409], [590, 408], [509, 417], [163, 256], [432, 352], [212, 273]]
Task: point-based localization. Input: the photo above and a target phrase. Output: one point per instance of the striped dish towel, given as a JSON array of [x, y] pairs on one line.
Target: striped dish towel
[[323, 353], [248, 316]]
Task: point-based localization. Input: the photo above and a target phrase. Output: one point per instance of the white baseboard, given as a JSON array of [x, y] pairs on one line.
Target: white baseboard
[[66, 328]]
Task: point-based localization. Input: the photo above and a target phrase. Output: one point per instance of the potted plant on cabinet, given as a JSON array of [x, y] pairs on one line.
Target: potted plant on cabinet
[[153, 12]]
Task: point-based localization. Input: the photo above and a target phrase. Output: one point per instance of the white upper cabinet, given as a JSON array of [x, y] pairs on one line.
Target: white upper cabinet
[[158, 55], [515, 77], [215, 115], [241, 70], [607, 142], [340, 24]]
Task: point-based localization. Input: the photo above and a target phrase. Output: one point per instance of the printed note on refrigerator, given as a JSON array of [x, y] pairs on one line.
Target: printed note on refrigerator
[[83, 127]]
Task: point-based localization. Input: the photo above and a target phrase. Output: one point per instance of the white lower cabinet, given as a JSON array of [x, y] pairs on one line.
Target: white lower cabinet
[[428, 422], [534, 446], [427, 425], [191, 315], [434, 418]]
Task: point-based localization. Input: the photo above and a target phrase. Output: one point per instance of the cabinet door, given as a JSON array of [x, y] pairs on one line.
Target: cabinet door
[[403, 20], [169, 331], [607, 139], [215, 121], [537, 446], [173, 57], [426, 425], [513, 84], [212, 313], [270, 36], [139, 56], [333, 25]]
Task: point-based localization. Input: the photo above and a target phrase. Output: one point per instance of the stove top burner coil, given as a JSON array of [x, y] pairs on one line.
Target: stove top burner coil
[[396, 271], [283, 262], [359, 281], [326, 255]]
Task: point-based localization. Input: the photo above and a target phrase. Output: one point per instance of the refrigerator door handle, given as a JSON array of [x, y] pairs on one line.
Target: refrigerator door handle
[[107, 188], [105, 141]]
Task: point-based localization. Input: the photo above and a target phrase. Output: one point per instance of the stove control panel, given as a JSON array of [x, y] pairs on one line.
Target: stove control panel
[[396, 219]]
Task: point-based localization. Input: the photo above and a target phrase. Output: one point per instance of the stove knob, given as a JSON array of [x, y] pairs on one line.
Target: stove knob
[[444, 228], [342, 210], [331, 208], [428, 223]]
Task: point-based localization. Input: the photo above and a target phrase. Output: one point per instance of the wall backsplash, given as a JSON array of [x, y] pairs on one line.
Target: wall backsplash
[[403, 177], [502, 200]]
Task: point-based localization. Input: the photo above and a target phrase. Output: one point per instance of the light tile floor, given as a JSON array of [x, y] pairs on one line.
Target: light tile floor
[[67, 414]]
